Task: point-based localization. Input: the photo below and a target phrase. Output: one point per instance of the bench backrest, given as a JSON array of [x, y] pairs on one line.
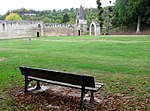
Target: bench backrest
[[69, 78]]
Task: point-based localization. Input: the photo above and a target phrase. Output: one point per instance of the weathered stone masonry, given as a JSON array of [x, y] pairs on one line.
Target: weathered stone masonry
[[19, 29]]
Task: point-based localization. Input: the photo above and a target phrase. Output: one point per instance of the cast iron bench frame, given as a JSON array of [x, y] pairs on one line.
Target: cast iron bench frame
[[83, 82]]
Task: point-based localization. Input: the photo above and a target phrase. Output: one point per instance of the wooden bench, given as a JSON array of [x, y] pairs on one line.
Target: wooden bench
[[83, 82]]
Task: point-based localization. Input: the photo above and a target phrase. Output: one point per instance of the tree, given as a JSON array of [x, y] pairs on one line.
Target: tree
[[65, 18], [100, 12], [120, 13], [46, 20], [55, 16], [54, 10], [130, 12], [58, 21], [107, 15], [13, 16], [139, 9], [136, 11], [72, 21], [65, 10]]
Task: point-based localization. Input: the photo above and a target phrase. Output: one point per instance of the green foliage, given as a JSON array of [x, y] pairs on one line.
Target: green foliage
[[46, 20], [91, 14], [100, 11], [72, 21], [120, 12], [54, 16], [65, 18], [58, 21], [127, 11], [107, 18], [13, 16]]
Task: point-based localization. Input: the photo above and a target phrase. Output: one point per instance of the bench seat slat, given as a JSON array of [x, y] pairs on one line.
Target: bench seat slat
[[97, 85]]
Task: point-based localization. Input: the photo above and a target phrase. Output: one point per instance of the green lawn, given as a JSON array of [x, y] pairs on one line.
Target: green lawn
[[121, 62]]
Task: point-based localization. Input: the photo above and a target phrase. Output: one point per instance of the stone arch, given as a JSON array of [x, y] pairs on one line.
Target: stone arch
[[39, 25], [79, 32], [71, 30], [93, 28], [37, 34], [3, 25]]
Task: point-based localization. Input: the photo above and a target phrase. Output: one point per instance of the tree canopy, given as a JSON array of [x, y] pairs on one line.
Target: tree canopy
[[13, 16], [65, 18], [131, 12], [53, 16], [100, 10]]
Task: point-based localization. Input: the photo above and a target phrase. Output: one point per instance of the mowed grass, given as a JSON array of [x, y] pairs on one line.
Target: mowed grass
[[121, 62]]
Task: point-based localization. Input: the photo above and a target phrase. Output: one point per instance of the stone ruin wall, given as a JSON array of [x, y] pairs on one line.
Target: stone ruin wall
[[20, 29], [60, 30]]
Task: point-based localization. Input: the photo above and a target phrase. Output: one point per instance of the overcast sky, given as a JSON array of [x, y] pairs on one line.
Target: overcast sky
[[6, 5]]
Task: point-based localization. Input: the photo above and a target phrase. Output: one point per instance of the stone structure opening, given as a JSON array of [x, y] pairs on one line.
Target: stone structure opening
[[79, 32], [3, 25], [38, 34], [39, 26], [92, 30], [95, 28]]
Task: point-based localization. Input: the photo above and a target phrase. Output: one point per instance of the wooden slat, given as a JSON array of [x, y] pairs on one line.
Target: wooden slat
[[64, 77], [97, 85]]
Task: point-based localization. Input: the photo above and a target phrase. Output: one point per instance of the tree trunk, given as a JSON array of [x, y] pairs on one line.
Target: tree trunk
[[138, 24]]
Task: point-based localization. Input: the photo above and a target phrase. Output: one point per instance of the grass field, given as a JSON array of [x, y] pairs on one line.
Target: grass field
[[121, 62]]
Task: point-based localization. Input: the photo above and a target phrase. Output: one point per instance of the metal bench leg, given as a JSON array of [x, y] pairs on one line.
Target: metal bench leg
[[38, 87], [26, 85], [82, 97], [92, 97]]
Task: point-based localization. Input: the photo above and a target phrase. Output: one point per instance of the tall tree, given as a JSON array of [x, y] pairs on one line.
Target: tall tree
[[107, 16], [13, 16], [132, 12], [120, 13], [100, 12], [65, 18], [139, 9]]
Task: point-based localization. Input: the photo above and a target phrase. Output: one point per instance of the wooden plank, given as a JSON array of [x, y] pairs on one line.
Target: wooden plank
[[59, 76], [97, 85]]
